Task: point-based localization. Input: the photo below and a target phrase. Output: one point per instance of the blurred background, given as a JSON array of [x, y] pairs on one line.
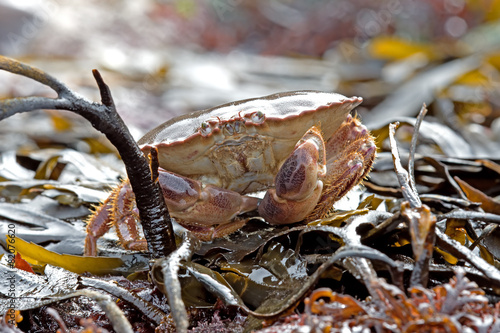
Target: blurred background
[[165, 58]]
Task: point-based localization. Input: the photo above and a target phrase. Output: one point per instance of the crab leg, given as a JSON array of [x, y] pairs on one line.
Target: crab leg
[[97, 226], [125, 218], [350, 153], [298, 185], [119, 210]]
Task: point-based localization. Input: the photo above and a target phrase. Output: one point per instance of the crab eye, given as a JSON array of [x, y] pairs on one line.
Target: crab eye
[[228, 129], [205, 129], [258, 117], [238, 126]]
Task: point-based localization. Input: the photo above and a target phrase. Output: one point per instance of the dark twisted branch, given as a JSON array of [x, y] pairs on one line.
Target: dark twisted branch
[[152, 209]]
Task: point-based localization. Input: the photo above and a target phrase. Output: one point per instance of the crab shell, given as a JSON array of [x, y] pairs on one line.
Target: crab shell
[[241, 145]]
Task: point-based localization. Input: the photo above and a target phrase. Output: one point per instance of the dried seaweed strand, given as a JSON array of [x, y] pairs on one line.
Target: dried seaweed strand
[[170, 268], [402, 174], [470, 215], [149, 311], [107, 304], [458, 250], [413, 147]]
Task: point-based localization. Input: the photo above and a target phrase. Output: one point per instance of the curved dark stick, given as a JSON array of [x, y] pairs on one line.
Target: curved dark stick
[[153, 212]]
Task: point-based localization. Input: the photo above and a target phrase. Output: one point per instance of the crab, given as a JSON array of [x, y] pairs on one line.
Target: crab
[[303, 148]]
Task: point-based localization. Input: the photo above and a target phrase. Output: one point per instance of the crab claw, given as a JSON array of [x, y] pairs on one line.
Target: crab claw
[[308, 183], [206, 210], [297, 185]]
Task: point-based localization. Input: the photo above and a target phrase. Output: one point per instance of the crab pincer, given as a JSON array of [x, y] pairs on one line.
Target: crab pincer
[[297, 184], [316, 175]]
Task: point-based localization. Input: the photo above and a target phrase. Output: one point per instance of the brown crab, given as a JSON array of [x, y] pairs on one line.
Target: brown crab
[[210, 159]]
